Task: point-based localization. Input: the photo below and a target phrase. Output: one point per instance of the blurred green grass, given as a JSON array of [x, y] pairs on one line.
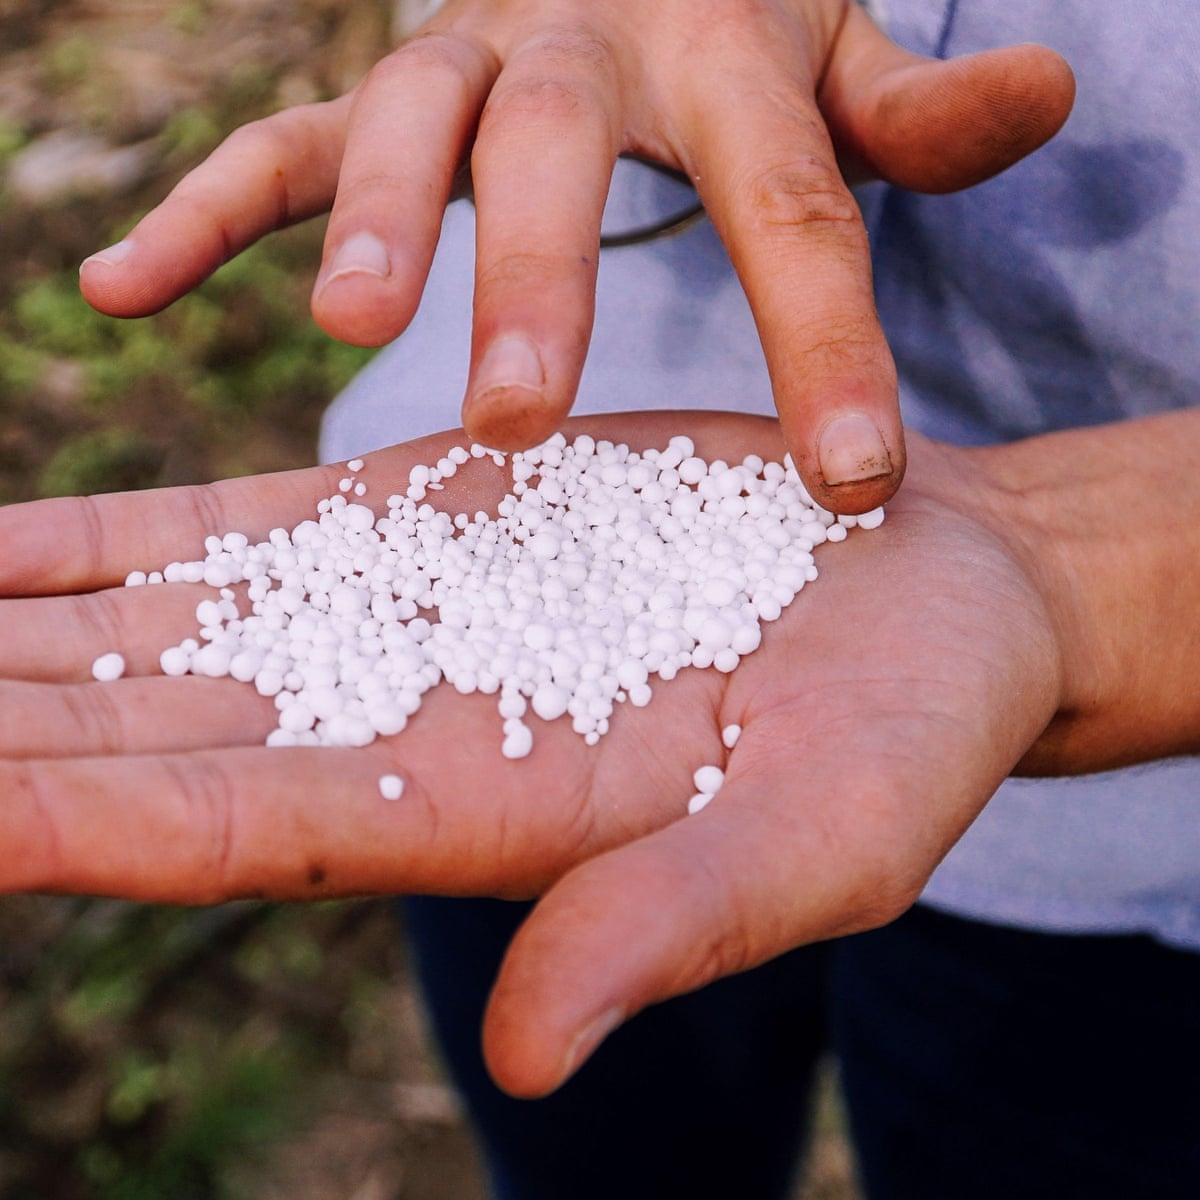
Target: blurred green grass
[[151, 1052]]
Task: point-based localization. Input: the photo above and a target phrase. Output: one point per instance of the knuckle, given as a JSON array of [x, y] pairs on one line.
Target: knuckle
[[430, 54], [208, 795], [521, 269], [96, 720], [208, 509], [804, 194], [518, 102], [99, 619], [41, 843], [878, 880], [725, 953], [844, 339], [577, 49], [560, 81]]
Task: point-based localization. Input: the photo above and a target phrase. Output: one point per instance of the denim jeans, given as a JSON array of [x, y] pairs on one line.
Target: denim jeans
[[977, 1062]]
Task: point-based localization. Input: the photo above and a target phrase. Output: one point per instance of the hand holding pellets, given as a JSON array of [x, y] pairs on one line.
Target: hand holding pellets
[[874, 718]]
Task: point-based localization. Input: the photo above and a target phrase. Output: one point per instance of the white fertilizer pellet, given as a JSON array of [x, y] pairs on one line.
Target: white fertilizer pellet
[[391, 787], [730, 735], [108, 667], [708, 781], [602, 570]]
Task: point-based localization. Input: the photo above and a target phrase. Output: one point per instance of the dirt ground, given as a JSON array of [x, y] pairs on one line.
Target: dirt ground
[[249, 1051]]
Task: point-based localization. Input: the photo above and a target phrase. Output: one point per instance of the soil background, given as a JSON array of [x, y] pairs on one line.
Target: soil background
[[250, 1050]]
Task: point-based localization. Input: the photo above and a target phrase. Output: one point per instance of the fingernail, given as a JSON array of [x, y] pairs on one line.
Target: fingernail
[[360, 254], [509, 362], [585, 1042], [111, 256], [851, 450]]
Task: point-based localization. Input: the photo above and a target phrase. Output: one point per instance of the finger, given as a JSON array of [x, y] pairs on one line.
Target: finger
[[82, 543], [129, 716], [938, 126], [70, 544], [264, 176], [219, 824], [411, 124], [56, 639], [769, 178], [548, 139]]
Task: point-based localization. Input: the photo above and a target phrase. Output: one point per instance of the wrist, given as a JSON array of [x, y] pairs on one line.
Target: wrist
[[1106, 522]]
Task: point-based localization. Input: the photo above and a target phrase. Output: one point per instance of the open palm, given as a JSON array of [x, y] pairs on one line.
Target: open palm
[[879, 714]]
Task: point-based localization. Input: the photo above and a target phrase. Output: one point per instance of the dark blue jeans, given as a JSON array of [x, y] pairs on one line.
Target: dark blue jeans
[[978, 1062]]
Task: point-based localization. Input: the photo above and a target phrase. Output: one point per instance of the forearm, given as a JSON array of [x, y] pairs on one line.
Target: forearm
[[1109, 520]]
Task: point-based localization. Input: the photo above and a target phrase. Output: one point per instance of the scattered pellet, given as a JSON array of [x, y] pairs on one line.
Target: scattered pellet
[[391, 787], [108, 667]]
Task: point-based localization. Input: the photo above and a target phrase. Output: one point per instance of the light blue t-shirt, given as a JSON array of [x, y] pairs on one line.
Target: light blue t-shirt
[[1064, 293]]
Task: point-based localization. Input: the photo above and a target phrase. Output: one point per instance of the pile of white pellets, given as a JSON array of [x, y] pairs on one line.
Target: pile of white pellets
[[602, 569]]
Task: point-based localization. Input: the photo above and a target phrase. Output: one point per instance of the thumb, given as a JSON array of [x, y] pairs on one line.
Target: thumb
[[706, 897], [938, 126]]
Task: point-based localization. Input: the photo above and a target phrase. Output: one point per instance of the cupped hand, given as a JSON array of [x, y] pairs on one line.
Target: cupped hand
[[768, 106], [878, 716]]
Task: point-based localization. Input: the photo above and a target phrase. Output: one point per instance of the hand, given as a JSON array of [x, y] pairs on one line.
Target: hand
[[762, 103], [879, 715]]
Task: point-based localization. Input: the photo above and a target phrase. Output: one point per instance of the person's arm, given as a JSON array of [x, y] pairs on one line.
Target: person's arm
[[765, 105], [1109, 518], [1027, 606]]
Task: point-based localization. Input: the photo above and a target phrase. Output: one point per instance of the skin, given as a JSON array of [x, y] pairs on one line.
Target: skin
[[1021, 608], [538, 98]]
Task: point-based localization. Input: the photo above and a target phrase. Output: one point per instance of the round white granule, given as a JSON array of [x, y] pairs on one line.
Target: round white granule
[[699, 801], [871, 520], [730, 735], [135, 579], [391, 787], [108, 667], [355, 464], [174, 661], [708, 779], [518, 740], [549, 701]]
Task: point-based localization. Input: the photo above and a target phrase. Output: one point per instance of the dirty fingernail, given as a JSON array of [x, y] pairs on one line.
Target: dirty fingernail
[[852, 450], [509, 362]]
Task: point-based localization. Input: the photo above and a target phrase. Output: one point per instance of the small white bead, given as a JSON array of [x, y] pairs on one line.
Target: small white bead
[[108, 667], [518, 741], [391, 787]]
